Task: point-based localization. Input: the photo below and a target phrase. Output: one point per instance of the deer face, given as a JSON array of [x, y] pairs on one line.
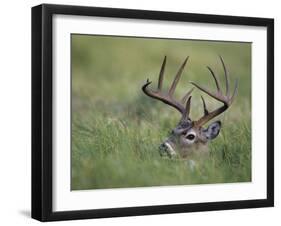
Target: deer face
[[190, 137], [187, 140]]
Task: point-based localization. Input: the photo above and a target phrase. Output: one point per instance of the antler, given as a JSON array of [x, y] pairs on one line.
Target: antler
[[167, 98], [225, 99]]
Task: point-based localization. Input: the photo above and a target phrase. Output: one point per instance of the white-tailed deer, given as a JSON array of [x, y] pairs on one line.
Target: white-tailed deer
[[189, 137]]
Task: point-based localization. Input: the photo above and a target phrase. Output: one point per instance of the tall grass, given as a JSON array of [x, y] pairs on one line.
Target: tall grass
[[116, 129]]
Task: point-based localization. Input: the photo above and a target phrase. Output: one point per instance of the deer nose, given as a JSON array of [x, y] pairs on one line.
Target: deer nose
[[166, 149]]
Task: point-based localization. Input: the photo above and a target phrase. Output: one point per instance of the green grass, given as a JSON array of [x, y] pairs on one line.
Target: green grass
[[116, 129]]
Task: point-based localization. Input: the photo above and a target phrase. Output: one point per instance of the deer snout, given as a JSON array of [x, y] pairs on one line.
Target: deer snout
[[167, 149]]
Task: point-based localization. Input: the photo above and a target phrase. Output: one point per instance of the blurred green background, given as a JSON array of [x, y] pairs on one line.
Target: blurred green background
[[116, 129]]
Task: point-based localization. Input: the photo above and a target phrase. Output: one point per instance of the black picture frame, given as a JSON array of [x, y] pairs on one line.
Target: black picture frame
[[42, 107]]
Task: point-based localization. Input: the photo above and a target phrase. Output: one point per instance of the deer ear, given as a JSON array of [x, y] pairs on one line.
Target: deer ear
[[213, 130]]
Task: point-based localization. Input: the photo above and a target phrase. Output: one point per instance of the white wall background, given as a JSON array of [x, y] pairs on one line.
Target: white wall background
[[15, 105]]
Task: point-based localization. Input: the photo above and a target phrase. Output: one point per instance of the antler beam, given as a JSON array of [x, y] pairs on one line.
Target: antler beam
[[225, 99], [167, 98]]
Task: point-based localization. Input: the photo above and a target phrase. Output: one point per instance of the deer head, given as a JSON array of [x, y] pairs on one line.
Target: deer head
[[189, 137]]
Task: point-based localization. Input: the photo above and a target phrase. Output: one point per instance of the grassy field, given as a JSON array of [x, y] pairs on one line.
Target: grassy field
[[116, 129]]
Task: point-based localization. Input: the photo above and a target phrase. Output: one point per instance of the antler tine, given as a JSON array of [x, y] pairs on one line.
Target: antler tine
[[177, 78], [226, 76], [206, 112], [184, 98], [167, 98], [215, 78], [214, 95], [225, 99], [235, 91], [161, 74], [187, 108]]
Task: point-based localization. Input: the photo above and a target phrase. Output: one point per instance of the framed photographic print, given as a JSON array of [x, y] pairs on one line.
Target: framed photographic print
[[145, 112]]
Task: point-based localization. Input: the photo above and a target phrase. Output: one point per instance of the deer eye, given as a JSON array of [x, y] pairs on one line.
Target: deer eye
[[190, 137]]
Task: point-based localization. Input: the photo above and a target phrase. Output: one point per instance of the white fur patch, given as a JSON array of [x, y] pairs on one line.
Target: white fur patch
[[171, 150]]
